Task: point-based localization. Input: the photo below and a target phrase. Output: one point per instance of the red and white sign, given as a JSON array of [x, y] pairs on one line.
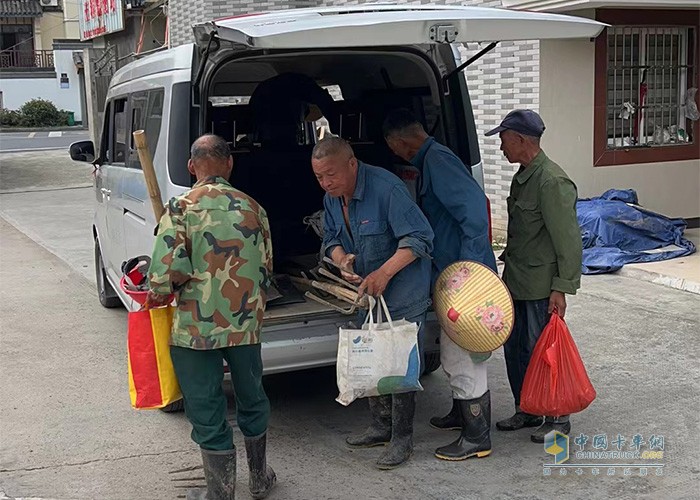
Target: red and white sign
[[99, 17]]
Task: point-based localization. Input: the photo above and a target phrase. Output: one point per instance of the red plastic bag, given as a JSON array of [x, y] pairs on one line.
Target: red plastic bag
[[556, 382]]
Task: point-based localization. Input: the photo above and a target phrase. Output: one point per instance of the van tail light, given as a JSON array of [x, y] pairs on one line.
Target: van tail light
[[488, 213]]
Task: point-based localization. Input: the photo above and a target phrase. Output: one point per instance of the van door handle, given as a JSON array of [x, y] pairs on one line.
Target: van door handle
[[135, 216]]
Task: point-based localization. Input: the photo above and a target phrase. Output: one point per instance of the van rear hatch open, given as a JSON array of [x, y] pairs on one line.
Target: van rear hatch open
[[384, 25], [378, 42]]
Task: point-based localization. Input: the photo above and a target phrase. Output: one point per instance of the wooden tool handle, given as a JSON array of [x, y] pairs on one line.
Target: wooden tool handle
[[335, 290], [149, 173]]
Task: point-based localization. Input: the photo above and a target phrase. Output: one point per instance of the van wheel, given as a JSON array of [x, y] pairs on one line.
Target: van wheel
[[108, 297], [432, 362], [174, 407]]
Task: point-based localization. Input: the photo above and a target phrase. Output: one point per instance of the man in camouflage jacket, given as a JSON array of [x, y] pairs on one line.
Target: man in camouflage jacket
[[213, 251]]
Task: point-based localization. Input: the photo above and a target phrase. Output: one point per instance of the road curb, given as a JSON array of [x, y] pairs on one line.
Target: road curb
[[42, 129], [660, 279], [644, 275], [53, 148]]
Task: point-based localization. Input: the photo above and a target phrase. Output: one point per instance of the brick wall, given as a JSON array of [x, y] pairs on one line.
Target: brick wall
[[184, 14], [506, 78]]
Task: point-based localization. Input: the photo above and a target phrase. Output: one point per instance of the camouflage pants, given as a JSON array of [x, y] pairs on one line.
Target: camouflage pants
[[200, 374]]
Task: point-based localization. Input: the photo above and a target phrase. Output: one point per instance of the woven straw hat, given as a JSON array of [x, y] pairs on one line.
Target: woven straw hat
[[473, 306]]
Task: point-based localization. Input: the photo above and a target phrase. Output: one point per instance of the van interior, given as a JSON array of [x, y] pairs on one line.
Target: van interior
[[273, 108]]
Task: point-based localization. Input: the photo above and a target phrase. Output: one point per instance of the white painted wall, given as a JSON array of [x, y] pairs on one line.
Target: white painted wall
[[17, 91], [63, 60], [567, 71]]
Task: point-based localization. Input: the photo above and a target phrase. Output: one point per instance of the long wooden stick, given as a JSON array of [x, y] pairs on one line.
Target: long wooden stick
[[149, 173]]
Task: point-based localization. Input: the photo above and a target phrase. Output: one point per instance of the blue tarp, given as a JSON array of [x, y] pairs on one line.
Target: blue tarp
[[616, 231]]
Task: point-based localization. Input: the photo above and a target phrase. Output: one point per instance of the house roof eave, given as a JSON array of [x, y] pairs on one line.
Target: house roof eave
[[20, 8], [574, 5]]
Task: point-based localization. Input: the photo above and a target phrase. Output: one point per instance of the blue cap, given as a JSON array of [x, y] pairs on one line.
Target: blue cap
[[523, 121]]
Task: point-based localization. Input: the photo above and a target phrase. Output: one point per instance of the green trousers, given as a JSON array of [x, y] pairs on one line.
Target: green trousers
[[200, 374]]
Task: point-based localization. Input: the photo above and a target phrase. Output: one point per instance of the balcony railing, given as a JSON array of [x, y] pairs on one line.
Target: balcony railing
[[40, 59]]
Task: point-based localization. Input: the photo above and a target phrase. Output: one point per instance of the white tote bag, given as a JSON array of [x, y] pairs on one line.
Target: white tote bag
[[381, 358]]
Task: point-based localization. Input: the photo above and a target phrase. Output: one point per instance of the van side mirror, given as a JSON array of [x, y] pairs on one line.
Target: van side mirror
[[82, 151]]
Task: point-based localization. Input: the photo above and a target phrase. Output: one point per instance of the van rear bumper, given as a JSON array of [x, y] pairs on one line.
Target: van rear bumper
[[301, 346]]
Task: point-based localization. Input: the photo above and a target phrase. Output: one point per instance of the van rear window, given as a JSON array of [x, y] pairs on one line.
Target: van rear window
[[179, 134], [119, 131]]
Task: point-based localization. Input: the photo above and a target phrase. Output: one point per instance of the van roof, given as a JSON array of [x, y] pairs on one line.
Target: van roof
[[366, 25], [177, 58]]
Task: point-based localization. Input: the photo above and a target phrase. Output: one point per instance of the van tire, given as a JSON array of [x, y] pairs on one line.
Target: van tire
[[432, 362], [108, 297], [174, 407]]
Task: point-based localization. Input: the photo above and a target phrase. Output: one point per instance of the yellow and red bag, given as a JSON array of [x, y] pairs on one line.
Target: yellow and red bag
[[152, 380]]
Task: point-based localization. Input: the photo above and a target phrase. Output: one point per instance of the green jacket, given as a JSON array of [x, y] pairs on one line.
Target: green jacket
[[544, 249], [213, 250]]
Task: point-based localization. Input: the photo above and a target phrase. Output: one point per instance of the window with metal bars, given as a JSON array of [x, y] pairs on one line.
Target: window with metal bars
[[649, 81]]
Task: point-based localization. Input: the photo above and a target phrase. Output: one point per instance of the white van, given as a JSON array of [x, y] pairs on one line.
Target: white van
[[351, 64]]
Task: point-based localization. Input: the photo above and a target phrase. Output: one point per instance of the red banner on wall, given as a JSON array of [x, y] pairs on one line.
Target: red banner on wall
[[99, 17]]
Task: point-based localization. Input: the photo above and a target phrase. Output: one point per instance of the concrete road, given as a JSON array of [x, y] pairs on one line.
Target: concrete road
[[68, 431], [50, 198], [12, 142]]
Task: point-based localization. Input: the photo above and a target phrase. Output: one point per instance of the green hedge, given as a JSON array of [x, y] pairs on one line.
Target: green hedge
[[10, 118], [34, 113]]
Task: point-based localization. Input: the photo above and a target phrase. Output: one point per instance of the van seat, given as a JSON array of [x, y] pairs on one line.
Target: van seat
[[284, 184], [230, 122], [375, 154]]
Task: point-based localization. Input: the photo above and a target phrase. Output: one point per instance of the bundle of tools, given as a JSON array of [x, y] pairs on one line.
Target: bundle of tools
[[336, 287]]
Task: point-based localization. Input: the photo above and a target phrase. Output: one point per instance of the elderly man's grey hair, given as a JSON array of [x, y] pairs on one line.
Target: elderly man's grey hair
[[210, 146], [331, 146]]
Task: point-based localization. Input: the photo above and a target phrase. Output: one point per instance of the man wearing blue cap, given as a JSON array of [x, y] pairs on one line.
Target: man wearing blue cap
[[543, 255]]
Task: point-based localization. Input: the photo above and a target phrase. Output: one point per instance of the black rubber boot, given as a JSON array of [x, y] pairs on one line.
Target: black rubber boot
[[220, 474], [400, 447], [449, 422], [518, 421], [475, 438], [549, 426], [262, 478], [379, 431]]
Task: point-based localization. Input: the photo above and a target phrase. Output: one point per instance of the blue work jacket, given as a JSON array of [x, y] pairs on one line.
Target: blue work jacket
[[383, 218], [455, 205]]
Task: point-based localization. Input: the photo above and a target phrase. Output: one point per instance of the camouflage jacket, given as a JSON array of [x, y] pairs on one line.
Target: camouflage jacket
[[213, 250]]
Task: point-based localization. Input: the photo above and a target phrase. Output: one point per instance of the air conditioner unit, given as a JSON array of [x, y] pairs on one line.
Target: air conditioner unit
[[49, 3]]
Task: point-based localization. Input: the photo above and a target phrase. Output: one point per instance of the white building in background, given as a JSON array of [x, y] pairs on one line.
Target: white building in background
[[620, 110], [38, 39]]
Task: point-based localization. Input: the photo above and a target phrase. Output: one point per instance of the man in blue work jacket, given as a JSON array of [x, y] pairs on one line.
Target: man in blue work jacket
[[373, 229], [455, 205]]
